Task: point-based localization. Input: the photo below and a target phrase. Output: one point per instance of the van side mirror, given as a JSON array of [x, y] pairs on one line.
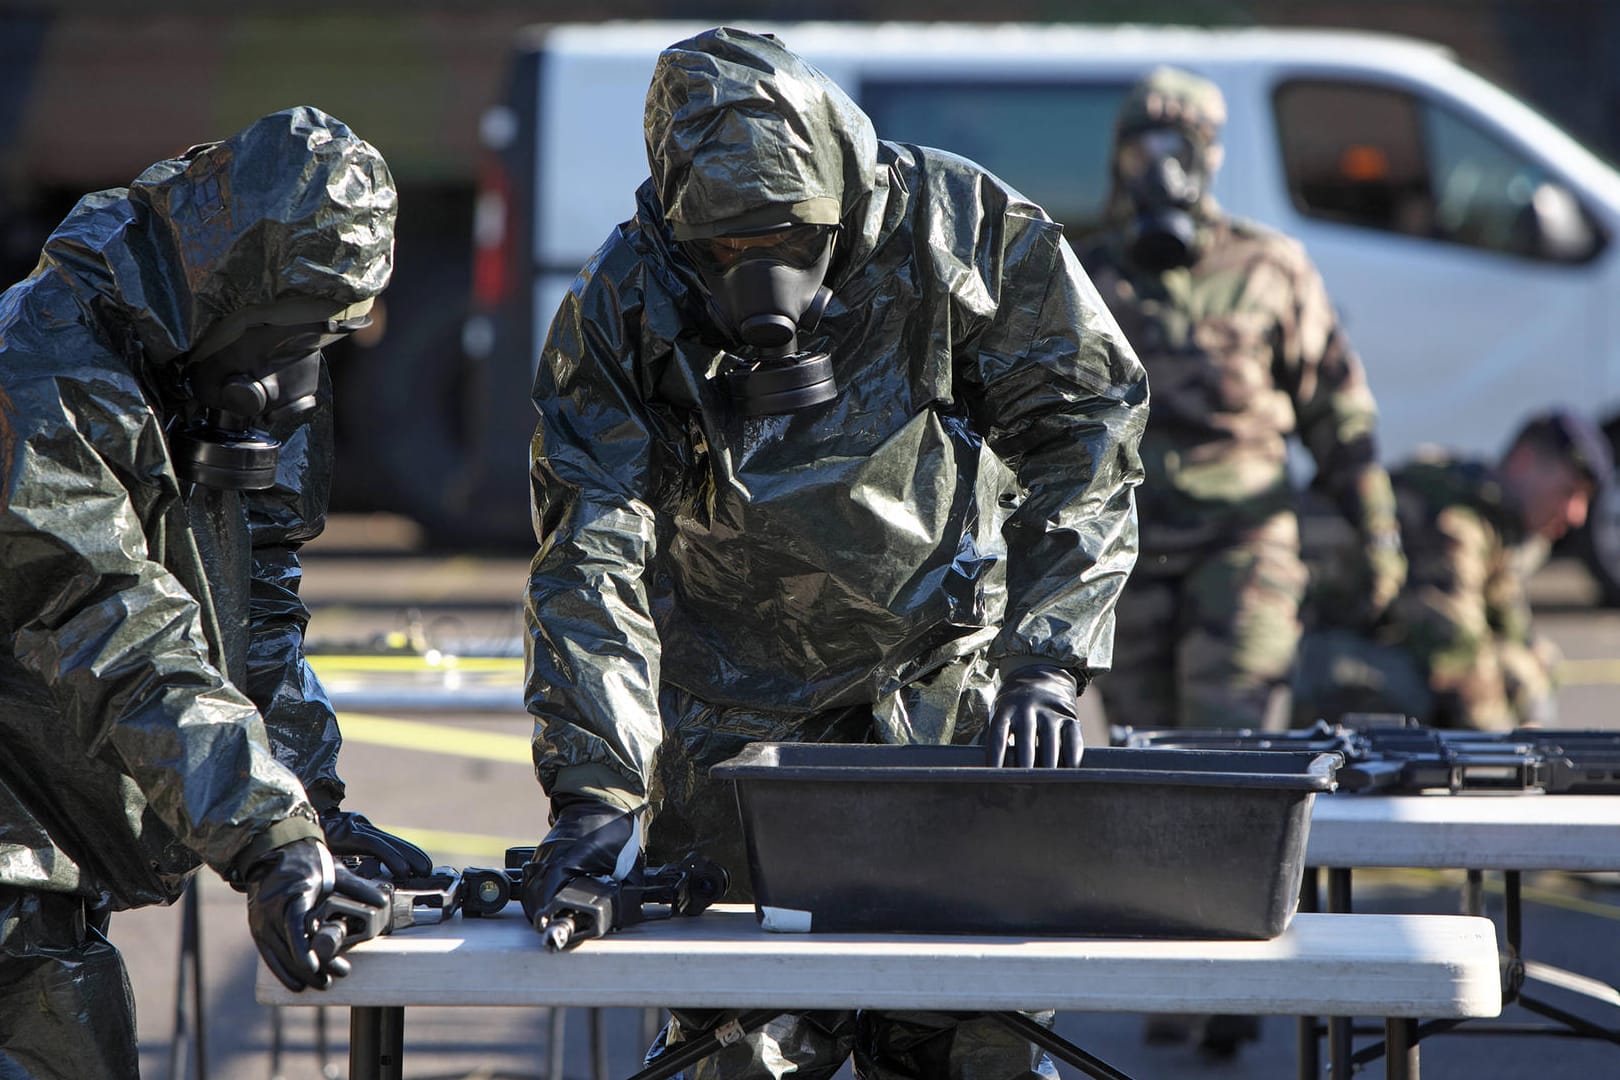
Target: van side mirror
[[1557, 225]]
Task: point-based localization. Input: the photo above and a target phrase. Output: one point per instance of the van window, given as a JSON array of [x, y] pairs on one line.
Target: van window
[[1384, 159], [1049, 140]]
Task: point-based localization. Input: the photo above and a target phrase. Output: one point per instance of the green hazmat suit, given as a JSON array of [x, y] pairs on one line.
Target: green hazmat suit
[[856, 571], [156, 707]]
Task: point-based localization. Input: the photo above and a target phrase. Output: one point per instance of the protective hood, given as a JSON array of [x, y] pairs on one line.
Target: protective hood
[[1181, 101], [707, 577], [737, 127], [155, 703], [292, 208]]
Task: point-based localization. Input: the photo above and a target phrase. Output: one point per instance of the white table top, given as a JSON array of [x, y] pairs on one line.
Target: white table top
[[1468, 831], [1365, 965]]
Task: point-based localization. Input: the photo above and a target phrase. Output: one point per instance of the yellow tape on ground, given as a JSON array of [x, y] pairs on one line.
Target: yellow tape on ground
[[1493, 884], [1549, 898], [1593, 672], [342, 663], [440, 844], [435, 738]]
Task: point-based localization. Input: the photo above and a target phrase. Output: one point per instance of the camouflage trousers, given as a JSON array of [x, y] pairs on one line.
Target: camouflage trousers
[[691, 812], [1205, 638]]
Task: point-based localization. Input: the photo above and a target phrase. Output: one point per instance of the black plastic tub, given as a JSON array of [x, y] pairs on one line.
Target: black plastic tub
[[926, 839]]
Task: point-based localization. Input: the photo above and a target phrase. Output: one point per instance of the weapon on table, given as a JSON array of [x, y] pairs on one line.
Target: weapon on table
[[589, 907], [1393, 754], [415, 901]]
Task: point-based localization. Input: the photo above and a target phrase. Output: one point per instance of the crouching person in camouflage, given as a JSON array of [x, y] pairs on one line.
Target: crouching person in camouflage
[[1457, 649], [1243, 350]]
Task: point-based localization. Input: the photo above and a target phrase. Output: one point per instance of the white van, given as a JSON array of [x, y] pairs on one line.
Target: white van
[[1465, 239]]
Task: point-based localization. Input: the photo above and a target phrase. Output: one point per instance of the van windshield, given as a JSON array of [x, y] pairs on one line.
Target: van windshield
[[1050, 140]]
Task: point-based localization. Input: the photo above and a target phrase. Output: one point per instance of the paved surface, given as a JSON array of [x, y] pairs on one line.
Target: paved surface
[[457, 780]]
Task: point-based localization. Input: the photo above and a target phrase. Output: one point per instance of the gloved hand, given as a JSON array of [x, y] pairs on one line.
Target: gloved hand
[[1037, 712], [283, 889], [588, 838], [1385, 570], [352, 834]]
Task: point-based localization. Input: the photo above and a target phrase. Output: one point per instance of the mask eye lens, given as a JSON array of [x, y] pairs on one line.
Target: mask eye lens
[[799, 246], [1140, 153]]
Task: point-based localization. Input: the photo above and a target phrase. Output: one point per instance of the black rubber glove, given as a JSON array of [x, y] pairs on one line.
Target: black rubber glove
[[588, 838], [1037, 713], [352, 834], [283, 890]]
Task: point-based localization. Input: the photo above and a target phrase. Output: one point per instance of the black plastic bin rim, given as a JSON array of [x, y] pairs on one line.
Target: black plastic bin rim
[[758, 762]]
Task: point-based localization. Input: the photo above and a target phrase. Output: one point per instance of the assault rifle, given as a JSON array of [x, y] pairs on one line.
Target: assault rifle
[[1393, 754], [589, 907], [343, 923], [586, 908]]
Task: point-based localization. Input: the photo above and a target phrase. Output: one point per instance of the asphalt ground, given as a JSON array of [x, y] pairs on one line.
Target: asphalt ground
[[393, 626]]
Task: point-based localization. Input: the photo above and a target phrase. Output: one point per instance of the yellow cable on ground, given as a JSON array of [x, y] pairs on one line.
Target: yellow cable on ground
[[440, 844], [435, 738], [344, 663], [1529, 893], [1592, 672]]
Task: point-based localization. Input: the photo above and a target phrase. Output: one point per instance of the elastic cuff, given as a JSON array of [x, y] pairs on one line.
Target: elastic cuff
[[598, 782], [325, 795], [1006, 665], [285, 831]]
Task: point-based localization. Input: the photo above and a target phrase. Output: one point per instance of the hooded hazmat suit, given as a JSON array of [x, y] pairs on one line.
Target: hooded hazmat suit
[[154, 634], [855, 571]]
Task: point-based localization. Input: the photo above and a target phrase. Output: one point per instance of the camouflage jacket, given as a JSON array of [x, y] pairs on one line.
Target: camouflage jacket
[[1464, 613], [1242, 350]]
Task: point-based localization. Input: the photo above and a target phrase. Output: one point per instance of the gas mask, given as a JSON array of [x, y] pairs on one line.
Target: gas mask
[[764, 289], [259, 365], [1164, 177]]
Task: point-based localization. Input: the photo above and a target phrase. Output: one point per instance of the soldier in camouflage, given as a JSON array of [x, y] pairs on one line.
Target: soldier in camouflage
[[1243, 350], [1457, 649]]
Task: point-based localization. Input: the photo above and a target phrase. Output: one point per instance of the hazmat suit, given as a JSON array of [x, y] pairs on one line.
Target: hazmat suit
[[156, 708], [866, 567]]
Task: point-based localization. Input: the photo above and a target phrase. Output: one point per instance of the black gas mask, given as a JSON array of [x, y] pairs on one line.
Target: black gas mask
[[257, 366], [764, 288], [1164, 177]]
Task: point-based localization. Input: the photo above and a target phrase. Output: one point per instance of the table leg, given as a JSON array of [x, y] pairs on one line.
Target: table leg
[[1400, 1048], [1512, 910], [1058, 1046], [1340, 1044], [376, 1042], [556, 1031], [1310, 1050], [679, 1056], [599, 1058], [1474, 893]]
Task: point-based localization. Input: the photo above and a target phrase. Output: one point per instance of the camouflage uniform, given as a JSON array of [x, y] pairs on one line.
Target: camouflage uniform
[[1242, 349], [1461, 624]]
